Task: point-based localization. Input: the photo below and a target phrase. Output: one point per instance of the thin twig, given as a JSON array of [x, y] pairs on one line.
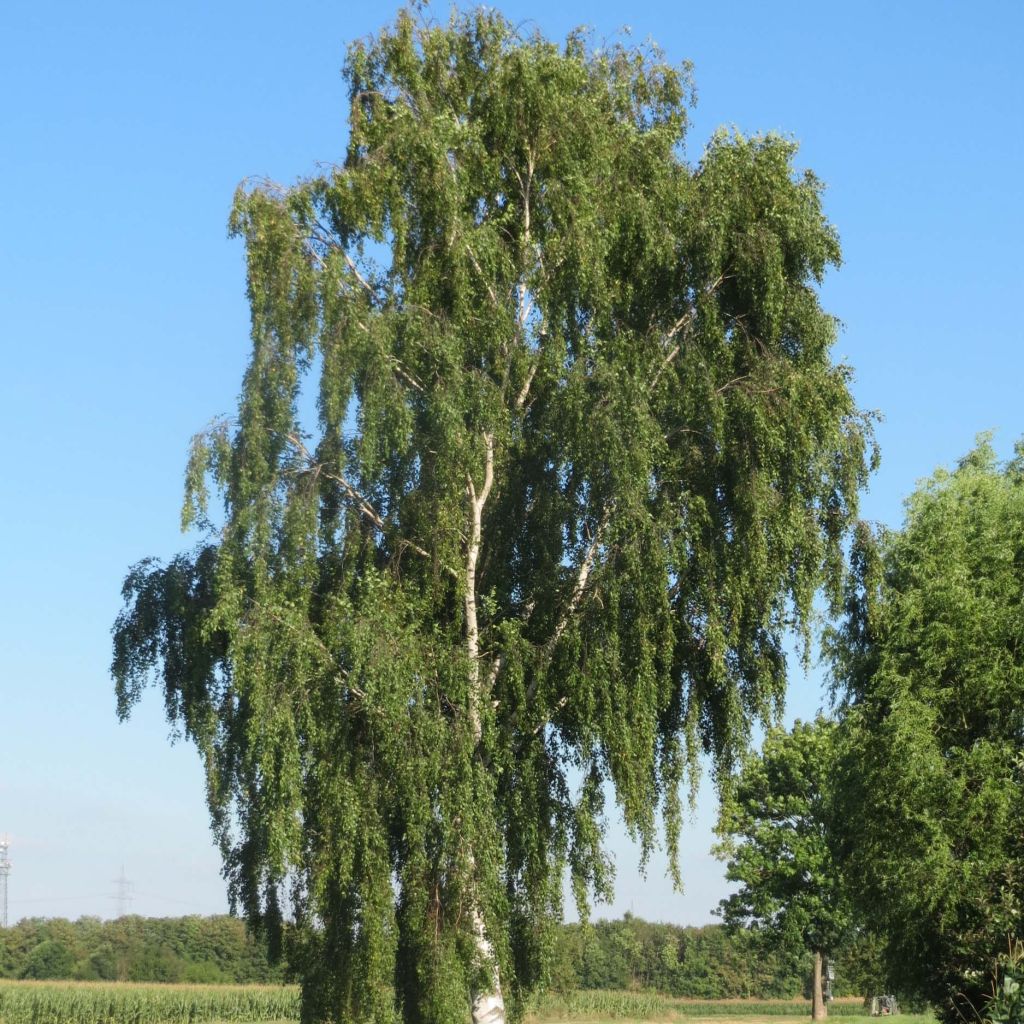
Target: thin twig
[[483, 276], [729, 383]]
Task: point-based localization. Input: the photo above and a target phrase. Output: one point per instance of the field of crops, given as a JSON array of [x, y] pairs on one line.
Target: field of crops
[[59, 1002], [29, 1002]]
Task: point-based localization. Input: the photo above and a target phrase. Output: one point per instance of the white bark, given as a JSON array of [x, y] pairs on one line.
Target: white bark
[[489, 1006], [476, 508]]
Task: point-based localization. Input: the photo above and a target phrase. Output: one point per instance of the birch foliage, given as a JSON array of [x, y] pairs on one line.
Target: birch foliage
[[580, 458]]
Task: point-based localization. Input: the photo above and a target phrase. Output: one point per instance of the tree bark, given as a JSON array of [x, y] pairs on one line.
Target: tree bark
[[818, 1009], [487, 1007]]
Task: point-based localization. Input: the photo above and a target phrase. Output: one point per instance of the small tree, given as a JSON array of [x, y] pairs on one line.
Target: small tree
[[581, 457], [931, 664], [775, 828], [51, 959]]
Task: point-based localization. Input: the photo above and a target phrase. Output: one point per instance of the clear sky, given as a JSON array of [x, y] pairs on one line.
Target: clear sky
[[124, 128]]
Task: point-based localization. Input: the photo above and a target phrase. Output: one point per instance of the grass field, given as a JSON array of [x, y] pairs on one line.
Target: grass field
[[28, 1002], [632, 1007], [615, 1005]]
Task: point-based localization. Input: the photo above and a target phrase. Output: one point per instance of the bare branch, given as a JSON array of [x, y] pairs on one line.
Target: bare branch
[[483, 276], [683, 323], [729, 383], [525, 306], [495, 671], [488, 469], [313, 254], [582, 575], [579, 587], [355, 270], [665, 363], [319, 232], [524, 391], [407, 376]]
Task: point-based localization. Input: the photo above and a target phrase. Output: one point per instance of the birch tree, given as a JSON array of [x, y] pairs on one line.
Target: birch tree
[[579, 458]]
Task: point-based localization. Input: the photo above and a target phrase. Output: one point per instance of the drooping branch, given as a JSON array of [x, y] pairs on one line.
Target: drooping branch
[[362, 505], [682, 324], [579, 586]]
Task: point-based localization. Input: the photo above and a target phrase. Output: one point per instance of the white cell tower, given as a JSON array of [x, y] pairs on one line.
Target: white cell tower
[[5, 870]]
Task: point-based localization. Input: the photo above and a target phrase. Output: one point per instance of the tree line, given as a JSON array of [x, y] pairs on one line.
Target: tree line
[[706, 962], [209, 950]]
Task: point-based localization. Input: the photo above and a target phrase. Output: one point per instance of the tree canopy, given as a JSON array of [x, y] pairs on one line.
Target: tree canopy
[[932, 668], [580, 458], [776, 831]]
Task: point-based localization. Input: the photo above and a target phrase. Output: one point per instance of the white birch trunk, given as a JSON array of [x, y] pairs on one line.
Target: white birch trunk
[[488, 1007]]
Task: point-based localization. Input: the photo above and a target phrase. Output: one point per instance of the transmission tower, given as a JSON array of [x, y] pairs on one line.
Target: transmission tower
[[5, 870], [123, 894]]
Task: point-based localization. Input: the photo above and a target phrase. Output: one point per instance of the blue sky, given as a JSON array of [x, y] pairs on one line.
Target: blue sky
[[124, 129]]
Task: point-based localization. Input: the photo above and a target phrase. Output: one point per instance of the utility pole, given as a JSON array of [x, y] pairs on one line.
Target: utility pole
[[5, 870], [123, 894]]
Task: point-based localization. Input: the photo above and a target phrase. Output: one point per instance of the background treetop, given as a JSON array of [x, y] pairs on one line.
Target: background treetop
[[778, 833]]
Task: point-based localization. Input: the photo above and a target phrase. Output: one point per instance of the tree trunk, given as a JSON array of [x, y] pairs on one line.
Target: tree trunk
[[489, 1009], [818, 1009], [489, 1006]]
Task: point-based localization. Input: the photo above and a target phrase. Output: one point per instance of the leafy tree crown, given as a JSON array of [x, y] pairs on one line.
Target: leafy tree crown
[[580, 459]]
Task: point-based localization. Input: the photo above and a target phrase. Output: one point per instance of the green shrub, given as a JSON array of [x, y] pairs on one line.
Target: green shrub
[[1006, 1004]]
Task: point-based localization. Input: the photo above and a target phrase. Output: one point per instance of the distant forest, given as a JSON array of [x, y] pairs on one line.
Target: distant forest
[[173, 949], [708, 962]]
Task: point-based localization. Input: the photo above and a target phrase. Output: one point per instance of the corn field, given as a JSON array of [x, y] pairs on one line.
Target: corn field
[[25, 1002]]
